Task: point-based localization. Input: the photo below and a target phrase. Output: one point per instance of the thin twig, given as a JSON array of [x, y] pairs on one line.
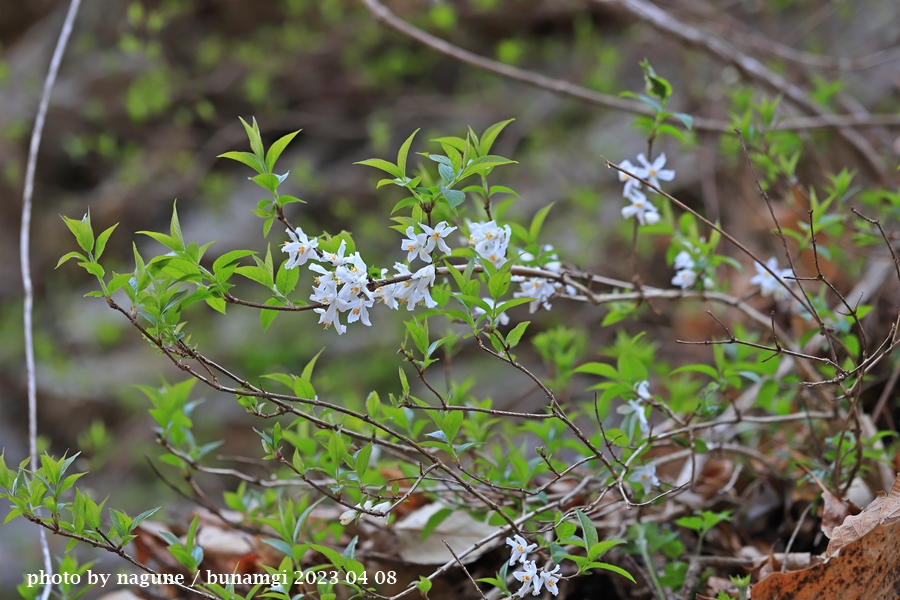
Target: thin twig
[[751, 67], [384, 15], [465, 570], [25, 255]]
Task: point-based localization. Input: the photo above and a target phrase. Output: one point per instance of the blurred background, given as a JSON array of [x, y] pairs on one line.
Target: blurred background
[[150, 92]]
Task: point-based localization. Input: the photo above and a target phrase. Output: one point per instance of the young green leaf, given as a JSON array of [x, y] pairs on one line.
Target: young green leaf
[[277, 148]]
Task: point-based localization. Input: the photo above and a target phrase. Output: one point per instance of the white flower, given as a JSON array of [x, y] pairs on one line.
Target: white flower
[[348, 516], [502, 318], [636, 411], [352, 269], [490, 241], [386, 293], [683, 260], [300, 249], [381, 508], [684, 278], [330, 317], [336, 258], [655, 171], [769, 285], [520, 549], [414, 290], [645, 476], [631, 184], [642, 389], [549, 579], [358, 307], [535, 287], [326, 291], [641, 208], [527, 577], [436, 236], [415, 244]]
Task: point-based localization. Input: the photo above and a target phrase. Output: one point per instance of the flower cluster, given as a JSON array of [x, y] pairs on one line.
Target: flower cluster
[[382, 508], [490, 240], [768, 284], [641, 208], [685, 275], [537, 287], [412, 292], [529, 576], [345, 288], [690, 263]]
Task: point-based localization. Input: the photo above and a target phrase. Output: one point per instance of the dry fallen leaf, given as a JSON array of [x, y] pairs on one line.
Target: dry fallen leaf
[[883, 510], [867, 569], [862, 560], [833, 513], [458, 529]]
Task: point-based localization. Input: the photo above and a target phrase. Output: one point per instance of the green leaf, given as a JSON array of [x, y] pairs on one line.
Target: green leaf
[[175, 229], [217, 304], [686, 119], [287, 279], [267, 181], [513, 303], [557, 552], [588, 529], [81, 229], [93, 268], [373, 403], [484, 163], [454, 197], [230, 257], [499, 284], [565, 530], [331, 554], [257, 274], [502, 189], [613, 568], [245, 157], [513, 337], [404, 152], [361, 462], [70, 256], [446, 173], [699, 368], [601, 369], [255, 139], [538, 221], [655, 84], [600, 548], [142, 517], [418, 333], [101, 241], [382, 164], [163, 239], [433, 521], [452, 422], [423, 585], [277, 148], [651, 102], [308, 369], [267, 316], [336, 448], [490, 134]]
